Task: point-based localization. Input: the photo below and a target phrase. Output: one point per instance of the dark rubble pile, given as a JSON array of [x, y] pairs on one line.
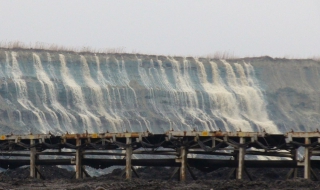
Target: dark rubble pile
[[164, 173], [49, 172], [154, 178]]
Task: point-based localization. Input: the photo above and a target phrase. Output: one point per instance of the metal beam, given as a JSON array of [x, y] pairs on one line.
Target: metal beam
[[128, 159], [214, 134], [241, 154], [183, 167], [79, 174], [303, 134], [307, 159], [33, 172]]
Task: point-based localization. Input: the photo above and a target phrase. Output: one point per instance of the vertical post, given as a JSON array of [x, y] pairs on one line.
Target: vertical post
[[128, 159], [307, 159], [78, 160], [240, 159], [183, 167], [33, 172]]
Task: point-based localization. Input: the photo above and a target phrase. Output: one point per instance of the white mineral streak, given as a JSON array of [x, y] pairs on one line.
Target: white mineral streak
[[74, 93], [14, 72]]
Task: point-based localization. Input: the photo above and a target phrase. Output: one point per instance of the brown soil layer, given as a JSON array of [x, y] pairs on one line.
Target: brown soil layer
[[155, 178]]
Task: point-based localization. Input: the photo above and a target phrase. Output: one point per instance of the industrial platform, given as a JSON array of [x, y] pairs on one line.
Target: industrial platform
[[178, 149]]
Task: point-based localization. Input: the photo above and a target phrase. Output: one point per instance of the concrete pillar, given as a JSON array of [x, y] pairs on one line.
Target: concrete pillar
[[183, 167], [79, 174], [33, 172], [307, 156], [128, 159], [241, 155]]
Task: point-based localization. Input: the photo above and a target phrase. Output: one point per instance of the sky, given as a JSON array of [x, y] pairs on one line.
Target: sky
[[171, 27]]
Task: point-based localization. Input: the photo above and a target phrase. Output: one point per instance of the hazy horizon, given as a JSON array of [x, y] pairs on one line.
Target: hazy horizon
[[184, 28]]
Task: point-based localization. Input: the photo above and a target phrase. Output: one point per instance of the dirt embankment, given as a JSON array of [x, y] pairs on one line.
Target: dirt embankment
[[154, 178]]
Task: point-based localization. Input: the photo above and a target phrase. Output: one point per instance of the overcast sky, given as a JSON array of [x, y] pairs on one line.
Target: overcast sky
[[176, 27]]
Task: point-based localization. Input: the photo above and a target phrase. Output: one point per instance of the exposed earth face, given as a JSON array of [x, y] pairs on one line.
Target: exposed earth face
[[154, 178], [42, 91]]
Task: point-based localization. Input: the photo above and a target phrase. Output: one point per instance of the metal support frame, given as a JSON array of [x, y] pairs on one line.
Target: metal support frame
[[84, 172], [183, 167], [293, 173], [135, 172], [307, 156], [33, 171], [241, 154], [295, 158], [128, 159], [231, 173], [38, 174], [174, 173], [204, 143], [79, 173], [194, 177], [315, 176]]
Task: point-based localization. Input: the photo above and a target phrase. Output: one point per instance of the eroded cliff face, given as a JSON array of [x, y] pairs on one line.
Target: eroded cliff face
[[292, 92], [45, 91]]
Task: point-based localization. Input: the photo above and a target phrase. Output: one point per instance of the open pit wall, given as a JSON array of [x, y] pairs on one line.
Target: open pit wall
[[42, 91]]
